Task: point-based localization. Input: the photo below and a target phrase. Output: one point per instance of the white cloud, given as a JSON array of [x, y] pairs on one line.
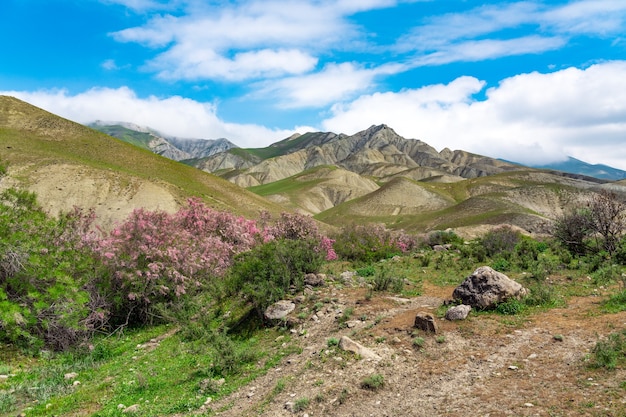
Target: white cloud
[[530, 118], [488, 32], [484, 49], [334, 83], [201, 64], [145, 5], [248, 40], [175, 116], [109, 65]]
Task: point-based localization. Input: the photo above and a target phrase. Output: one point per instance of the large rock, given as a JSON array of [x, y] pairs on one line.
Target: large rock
[[279, 310], [349, 345], [486, 288]]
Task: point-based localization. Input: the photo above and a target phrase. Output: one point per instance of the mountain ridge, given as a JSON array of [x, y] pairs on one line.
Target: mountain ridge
[[67, 164]]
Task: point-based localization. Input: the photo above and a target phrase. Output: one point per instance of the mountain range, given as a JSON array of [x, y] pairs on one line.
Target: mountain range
[[196, 152], [372, 176]]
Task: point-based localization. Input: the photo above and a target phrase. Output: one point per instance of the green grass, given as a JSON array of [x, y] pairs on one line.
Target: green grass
[[616, 302], [373, 382], [610, 353], [167, 379], [59, 141]]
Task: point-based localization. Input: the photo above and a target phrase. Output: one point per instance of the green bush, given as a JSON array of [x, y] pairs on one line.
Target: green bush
[[440, 237], [500, 241], [511, 307], [606, 274], [474, 251], [543, 295], [373, 382], [264, 274], [616, 303], [501, 264], [610, 353], [366, 271], [383, 281], [367, 244], [44, 277]]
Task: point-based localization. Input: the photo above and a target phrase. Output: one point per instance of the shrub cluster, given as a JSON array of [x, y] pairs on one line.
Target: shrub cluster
[[44, 276], [63, 279], [367, 244]]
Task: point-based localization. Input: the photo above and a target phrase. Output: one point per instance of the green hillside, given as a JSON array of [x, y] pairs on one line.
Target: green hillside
[[32, 139]]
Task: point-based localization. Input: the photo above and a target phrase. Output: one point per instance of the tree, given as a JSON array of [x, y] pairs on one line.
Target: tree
[[608, 214], [602, 219]]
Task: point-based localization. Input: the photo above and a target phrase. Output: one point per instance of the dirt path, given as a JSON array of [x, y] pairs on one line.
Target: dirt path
[[487, 365]]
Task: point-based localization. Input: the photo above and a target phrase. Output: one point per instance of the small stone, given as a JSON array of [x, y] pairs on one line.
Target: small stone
[[279, 310], [532, 356], [131, 409], [4, 377], [75, 383], [426, 322], [529, 405], [70, 375], [513, 368], [459, 312], [208, 401], [314, 280], [120, 406]]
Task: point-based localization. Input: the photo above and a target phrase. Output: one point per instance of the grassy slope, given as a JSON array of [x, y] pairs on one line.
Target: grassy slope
[[478, 201], [30, 136], [139, 139]]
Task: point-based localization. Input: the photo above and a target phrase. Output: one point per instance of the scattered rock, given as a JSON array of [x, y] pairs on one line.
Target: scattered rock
[[347, 276], [459, 312], [70, 375], [486, 288], [426, 322], [347, 344], [131, 409], [279, 310], [290, 406], [314, 280], [299, 299]]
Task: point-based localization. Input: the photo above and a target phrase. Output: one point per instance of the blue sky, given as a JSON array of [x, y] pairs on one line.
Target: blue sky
[[530, 81]]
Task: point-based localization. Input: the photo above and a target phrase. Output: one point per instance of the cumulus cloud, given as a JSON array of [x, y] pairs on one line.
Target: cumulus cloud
[[250, 40], [175, 116], [334, 83], [530, 118], [481, 33]]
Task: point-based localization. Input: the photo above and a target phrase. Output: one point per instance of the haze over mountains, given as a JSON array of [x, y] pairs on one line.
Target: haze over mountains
[[372, 176]]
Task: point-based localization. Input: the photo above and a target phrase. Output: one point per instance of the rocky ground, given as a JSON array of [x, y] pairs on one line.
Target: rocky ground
[[486, 365]]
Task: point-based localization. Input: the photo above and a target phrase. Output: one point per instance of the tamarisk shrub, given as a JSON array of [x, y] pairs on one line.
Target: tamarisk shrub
[[155, 257]]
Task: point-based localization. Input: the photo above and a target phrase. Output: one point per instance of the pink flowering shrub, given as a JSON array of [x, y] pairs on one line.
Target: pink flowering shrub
[[156, 257], [295, 226]]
